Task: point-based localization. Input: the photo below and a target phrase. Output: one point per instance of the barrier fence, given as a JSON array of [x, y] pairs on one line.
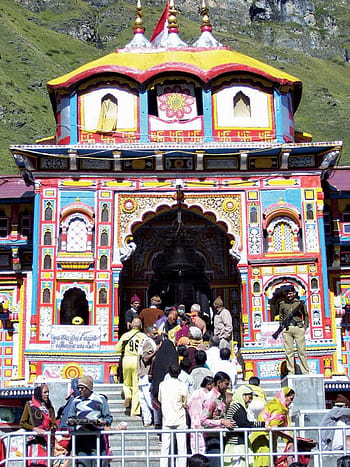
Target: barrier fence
[[143, 447]]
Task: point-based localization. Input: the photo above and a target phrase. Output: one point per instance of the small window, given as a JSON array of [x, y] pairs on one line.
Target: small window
[[108, 118], [102, 296], [256, 287], [253, 215], [105, 213], [309, 212], [47, 238], [26, 224], [103, 262], [4, 225], [47, 262], [46, 295], [104, 238], [241, 106], [48, 212]]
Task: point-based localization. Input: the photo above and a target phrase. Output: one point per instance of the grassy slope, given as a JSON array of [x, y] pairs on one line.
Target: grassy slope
[[31, 55]]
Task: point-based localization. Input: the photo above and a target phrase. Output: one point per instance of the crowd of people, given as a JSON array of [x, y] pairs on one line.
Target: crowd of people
[[180, 371]]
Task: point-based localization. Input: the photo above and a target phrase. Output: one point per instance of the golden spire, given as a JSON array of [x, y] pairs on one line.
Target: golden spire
[[138, 25], [206, 39], [172, 19], [206, 26], [139, 40]]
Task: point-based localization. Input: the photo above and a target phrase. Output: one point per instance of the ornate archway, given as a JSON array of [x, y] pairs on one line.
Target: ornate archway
[[184, 255]]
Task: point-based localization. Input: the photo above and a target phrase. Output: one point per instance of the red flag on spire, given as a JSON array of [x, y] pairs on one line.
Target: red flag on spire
[[161, 29]]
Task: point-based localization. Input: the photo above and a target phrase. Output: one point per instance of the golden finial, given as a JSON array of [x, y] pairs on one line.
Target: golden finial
[[172, 19], [138, 20], [206, 26]]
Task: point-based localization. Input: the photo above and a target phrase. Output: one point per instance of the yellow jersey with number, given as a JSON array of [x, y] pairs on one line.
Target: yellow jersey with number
[[132, 340]]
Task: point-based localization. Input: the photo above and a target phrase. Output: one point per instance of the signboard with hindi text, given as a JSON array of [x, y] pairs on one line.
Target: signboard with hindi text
[[75, 338]]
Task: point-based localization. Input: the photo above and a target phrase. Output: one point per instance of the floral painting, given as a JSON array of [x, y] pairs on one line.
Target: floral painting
[[176, 102]]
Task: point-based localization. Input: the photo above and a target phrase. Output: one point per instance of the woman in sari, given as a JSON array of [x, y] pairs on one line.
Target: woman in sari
[[274, 414], [38, 416]]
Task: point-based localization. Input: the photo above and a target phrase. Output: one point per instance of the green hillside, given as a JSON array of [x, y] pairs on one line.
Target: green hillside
[[33, 51]]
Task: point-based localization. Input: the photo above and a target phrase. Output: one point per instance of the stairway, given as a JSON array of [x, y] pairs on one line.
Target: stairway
[[134, 443], [136, 437]]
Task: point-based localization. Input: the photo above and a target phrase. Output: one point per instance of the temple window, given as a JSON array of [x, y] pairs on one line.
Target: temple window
[[48, 212], [4, 224], [48, 237], [108, 117], [256, 287], [314, 283], [105, 213], [283, 236], [241, 106], [77, 234], [175, 100], [103, 262], [46, 295], [102, 296], [47, 262], [346, 220], [104, 238], [26, 224], [74, 305], [309, 212], [327, 220], [253, 215]]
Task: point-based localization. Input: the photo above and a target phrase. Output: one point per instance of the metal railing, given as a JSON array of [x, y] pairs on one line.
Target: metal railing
[[143, 447]]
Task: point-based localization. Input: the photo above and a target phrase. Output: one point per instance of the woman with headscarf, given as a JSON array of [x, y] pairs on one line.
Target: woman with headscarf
[[38, 416], [274, 414], [235, 440], [165, 356]]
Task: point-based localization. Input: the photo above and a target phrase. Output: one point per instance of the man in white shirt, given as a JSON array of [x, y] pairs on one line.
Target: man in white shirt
[[226, 365], [173, 399], [213, 352]]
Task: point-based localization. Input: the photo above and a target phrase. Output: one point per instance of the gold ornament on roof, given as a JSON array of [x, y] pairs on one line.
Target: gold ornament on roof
[[205, 15], [172, 19], [139, 15]]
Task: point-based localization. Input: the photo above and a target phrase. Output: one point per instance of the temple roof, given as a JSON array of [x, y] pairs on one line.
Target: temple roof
[[339, 179], [143, 64], [14, 188]]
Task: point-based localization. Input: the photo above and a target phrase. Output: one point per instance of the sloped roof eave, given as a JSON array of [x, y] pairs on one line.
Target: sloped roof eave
[[142, 76]]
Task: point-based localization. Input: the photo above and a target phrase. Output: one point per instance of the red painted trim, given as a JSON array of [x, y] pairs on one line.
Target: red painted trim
[[168, 67]]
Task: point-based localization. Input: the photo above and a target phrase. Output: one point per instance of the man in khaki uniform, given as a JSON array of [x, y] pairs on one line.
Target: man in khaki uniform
[[295, 330], [127, 348]]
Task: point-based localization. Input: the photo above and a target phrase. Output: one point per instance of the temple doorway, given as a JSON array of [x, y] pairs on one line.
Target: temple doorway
[[183, 257], [74, 306]]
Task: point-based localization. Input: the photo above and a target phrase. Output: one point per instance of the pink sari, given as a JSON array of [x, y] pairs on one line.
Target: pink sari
[[37, 445]]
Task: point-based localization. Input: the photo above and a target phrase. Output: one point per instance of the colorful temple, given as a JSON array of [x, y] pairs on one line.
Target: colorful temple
[[175, 170]]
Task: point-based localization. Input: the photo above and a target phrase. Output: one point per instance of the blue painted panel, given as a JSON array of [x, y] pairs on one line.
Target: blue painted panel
[[69, 197], [36, 243], [207, 115], [74, 118], [291, 196], [143, 103]]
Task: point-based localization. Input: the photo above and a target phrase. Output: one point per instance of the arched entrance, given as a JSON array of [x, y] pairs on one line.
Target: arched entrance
[[74, 304], [183, 257]]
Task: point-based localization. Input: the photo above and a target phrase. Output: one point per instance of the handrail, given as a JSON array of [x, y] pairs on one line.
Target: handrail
[[143, 446]]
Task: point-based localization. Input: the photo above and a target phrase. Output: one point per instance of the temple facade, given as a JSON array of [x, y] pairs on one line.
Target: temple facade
[[175, 170]]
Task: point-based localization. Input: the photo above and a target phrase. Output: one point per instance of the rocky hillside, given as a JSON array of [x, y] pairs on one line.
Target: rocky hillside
[[42, 39]]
